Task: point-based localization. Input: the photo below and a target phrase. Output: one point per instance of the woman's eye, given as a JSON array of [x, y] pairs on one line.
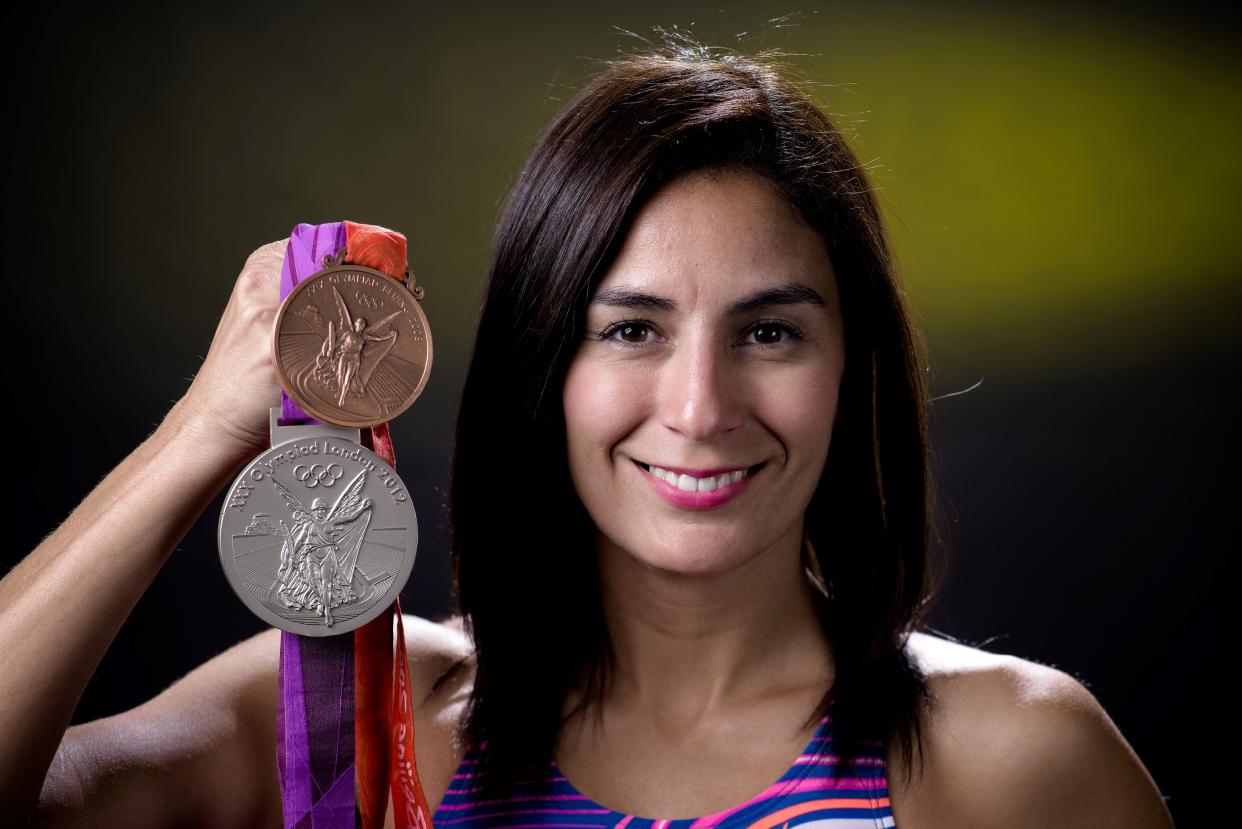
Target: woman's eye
[[772, 333], [626, 333]]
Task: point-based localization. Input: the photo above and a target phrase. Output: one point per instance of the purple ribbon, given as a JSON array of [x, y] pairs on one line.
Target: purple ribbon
[[308, 245], [315, 720]]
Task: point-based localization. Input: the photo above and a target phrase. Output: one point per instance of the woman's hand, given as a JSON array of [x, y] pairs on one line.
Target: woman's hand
[[236, 386]]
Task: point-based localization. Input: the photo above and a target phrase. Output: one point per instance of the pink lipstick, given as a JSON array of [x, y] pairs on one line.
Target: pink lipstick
[[698, 500]]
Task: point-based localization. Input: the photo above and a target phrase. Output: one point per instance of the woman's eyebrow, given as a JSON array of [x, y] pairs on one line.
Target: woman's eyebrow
[[791, 293]]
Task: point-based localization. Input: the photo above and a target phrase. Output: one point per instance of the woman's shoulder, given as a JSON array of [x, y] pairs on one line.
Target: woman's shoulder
[[434, 649], [979, 697], [973, 687], [442, 662], [1010, 741], [965, 680], [248, 671]]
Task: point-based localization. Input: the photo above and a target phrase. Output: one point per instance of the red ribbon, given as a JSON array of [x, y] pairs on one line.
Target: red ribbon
[[384, 728]]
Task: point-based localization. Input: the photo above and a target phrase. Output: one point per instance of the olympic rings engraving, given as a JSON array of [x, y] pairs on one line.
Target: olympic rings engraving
[[318, 474]]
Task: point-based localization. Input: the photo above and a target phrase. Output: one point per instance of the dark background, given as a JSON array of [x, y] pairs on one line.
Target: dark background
[[1061, 188]]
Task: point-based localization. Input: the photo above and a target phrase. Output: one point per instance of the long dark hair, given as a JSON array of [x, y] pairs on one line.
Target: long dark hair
[[524, 576]]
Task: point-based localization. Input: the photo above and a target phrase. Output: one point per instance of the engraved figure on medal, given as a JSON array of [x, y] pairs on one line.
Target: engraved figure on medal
[[340, 361], [318, 535], [319, 555], [352, 345]]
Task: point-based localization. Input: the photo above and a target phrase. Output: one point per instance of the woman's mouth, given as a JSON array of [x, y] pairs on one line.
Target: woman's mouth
[[691, 492]]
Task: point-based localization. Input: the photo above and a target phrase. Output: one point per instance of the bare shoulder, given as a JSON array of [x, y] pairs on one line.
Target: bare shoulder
[[1012, 742], [433, 647], [442, 683]]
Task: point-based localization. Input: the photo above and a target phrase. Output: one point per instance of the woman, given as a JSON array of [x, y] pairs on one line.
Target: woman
[[705, 558]]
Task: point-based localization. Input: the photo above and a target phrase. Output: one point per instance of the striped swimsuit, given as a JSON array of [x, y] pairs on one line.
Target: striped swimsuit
[[810, 794]]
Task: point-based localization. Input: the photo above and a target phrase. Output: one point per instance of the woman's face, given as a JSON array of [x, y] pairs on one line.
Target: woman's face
[[729, 356]]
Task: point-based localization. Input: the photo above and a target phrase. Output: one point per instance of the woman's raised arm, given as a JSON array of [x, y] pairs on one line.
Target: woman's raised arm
[[61, 607]]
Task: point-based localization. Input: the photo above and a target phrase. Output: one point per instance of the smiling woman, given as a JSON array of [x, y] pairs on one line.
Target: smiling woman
[[693, 256], [712, 573]]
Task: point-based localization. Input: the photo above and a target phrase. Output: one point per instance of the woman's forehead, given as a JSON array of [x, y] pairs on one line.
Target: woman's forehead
[[730, 235]]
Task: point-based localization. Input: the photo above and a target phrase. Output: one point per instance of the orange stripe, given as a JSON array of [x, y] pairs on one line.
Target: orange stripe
[[790, 812]]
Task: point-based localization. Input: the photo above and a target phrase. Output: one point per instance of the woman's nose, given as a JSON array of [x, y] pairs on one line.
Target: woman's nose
[[700, 391]]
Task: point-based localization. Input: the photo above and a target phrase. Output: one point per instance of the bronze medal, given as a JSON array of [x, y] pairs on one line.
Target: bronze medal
[[352, 345]]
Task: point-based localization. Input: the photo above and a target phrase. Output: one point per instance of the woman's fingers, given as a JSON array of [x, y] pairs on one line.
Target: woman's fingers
[[236, 385]]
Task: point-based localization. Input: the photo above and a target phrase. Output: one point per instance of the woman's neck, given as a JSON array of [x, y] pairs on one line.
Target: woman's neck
[[692, 647]]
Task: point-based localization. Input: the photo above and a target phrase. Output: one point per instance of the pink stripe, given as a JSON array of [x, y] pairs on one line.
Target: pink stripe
[[826, 784], [552, 812], [449, 807], [834, 759], [506, 812]]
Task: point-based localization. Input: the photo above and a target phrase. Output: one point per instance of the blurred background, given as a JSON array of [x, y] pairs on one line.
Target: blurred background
[[1060, 186]]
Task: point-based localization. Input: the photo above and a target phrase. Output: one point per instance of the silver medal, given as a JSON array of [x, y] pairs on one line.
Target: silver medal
[[317, 534]]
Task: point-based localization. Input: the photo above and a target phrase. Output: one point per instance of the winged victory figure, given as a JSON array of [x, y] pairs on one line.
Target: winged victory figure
[[350, 357], [319, 556], [342, 348]]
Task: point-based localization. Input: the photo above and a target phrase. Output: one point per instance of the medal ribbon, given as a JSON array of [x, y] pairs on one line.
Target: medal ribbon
[[345, 721]]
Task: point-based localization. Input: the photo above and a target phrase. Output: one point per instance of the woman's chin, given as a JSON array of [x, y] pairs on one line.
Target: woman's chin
[[689, 560]]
